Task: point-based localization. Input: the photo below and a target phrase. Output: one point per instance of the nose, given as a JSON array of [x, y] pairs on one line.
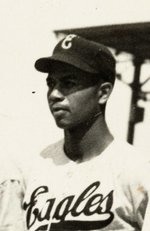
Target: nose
[[55, 95]]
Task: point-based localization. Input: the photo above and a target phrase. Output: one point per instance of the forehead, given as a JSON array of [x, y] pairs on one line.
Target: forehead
[[61, 70]]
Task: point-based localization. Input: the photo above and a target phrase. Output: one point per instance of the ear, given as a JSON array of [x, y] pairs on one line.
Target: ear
[[104, 92]]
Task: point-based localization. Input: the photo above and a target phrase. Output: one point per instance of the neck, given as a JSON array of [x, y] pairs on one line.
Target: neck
[[87, 140]]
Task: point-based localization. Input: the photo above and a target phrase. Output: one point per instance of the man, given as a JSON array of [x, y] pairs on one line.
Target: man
[[88, 180]]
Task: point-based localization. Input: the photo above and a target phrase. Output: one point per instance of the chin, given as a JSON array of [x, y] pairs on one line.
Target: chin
[[62, 125], [66, 124]]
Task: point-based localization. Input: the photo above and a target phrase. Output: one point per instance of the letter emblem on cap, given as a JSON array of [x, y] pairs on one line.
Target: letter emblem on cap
[[67, 42]]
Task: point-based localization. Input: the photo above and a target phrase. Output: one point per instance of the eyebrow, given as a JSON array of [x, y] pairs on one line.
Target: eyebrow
[[65, 76]]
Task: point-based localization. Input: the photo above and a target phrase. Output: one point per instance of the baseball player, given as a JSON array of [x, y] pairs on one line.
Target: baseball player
[[89, 180], [11, 197]]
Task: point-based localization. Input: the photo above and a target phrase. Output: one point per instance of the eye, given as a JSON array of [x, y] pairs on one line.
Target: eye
[[50, 83], [69, 83]]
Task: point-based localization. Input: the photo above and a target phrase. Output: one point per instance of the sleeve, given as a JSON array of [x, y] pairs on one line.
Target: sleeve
[[142, 198], [135, 193], [11, 196], [146, 222], [11, 213], [140, 194]]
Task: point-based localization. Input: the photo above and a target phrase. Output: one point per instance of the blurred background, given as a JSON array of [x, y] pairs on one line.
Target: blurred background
[[27, 33]]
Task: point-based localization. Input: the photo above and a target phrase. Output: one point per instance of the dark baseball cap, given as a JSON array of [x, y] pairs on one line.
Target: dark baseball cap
[[81, 53]]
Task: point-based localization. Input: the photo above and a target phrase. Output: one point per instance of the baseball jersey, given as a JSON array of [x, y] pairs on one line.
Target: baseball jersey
[[108, 192], [11, 197]]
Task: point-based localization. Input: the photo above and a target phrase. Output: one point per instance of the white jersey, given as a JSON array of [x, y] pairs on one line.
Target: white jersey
[[108, 192], [11, 197]]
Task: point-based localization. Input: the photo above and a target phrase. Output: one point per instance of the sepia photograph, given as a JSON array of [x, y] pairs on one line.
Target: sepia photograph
[[75, 115]]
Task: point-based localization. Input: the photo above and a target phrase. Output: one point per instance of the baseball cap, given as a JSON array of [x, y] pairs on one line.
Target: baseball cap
[[86, 55]]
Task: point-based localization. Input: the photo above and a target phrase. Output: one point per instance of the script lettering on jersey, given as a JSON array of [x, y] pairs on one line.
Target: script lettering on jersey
[[89, 210]]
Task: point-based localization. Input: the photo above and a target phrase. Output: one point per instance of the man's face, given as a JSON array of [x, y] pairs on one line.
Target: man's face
[[72, 97]]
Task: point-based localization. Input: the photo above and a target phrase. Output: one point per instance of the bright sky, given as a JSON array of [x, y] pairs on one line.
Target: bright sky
[[26, 34]]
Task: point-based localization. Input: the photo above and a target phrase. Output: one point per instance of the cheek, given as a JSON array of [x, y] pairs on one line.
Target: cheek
[[85, 101]]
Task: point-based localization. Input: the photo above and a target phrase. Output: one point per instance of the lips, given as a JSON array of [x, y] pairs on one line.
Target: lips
[[58, 109]]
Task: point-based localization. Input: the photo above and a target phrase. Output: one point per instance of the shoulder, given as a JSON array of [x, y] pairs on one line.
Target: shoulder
[[128, 154], [55, 153], [133, 165], [48, 158], [50, 150]]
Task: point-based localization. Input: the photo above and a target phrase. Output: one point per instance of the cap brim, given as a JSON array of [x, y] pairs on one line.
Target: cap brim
[[45, 64]]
